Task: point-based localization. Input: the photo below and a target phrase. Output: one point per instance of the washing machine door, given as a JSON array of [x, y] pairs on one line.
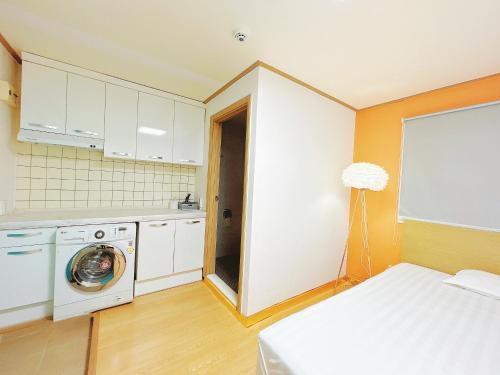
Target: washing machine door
[[96, 267]]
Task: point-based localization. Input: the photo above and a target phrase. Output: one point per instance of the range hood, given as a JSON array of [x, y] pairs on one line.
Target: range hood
[[35, 136]]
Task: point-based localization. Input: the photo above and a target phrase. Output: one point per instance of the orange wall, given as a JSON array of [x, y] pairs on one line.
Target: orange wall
[[378, 140]]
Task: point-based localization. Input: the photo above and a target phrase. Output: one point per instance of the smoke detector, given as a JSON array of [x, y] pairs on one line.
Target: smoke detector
[[240, 35]]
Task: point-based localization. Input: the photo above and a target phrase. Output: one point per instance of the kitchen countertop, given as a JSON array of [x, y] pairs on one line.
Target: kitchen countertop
[[61, 218]]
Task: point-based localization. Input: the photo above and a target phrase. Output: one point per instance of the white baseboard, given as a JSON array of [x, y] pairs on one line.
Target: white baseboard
[[160, 283], [25, 314]]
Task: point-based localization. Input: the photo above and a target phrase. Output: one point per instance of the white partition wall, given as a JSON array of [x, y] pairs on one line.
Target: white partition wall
[[297, 208], [300, 210]]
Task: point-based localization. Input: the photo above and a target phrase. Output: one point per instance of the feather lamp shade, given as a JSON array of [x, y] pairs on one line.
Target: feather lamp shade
[[365, 176]]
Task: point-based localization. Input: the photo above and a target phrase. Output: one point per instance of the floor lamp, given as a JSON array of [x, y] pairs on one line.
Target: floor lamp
[[362, 176]]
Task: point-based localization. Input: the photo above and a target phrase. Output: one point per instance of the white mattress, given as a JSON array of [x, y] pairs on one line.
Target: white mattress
[[401, 322]]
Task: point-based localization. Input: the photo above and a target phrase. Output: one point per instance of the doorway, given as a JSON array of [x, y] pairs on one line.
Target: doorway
[[226, 200]]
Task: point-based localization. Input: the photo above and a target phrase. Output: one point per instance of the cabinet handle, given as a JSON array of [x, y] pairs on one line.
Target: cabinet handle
[[121, 153], [24, 235], [24, 252], [155, 157], [158, 225], [42, 125], [193, 222], [187, 161], [86, 132]]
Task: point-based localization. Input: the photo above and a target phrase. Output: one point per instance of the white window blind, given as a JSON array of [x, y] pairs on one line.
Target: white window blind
[[450, 170]]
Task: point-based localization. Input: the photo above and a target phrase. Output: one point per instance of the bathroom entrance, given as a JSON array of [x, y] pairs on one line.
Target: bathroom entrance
[[226, 200], [229, 217]]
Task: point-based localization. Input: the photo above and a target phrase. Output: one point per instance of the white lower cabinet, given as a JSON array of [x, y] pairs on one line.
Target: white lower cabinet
[[169, 253], [189, 244], [26, 274], [155, 250]]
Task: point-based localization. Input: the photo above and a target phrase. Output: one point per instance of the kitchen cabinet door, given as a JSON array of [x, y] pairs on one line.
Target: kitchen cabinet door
[[86, 103], [43, 98], [189, 134], [26, 275], [120, 122], [155, 128], [155, 249], [189, 244]]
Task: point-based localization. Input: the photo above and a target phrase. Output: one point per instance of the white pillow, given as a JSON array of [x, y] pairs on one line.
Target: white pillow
[[481, 282]]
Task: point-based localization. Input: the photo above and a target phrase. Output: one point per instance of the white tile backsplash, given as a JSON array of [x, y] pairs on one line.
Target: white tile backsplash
[[53, 183], [54, 162], [24, 160], [50, 176], [38, 183], [23, 171], [69, 152], [53, 204], [38, 172], [53, 195], [23, 183], [37, 195], [38, 149], [54, 151], [54, 173]]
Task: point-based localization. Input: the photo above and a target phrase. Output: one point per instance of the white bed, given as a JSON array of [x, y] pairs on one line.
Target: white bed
[[403, 321]]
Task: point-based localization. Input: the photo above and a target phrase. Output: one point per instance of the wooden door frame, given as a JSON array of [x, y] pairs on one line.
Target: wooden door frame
[[213, 178]]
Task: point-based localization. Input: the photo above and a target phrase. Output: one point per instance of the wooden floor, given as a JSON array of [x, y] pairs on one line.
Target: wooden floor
[[45, 347], [184, 330]]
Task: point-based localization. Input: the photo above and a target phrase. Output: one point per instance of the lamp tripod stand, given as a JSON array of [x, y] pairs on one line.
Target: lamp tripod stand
[[365, 253]]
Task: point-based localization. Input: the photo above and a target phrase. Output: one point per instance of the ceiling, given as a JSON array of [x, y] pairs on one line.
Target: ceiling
[[363, 52]]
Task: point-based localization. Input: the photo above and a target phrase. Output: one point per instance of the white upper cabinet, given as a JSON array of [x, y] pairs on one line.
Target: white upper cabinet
[[86, 102], [43, 100], [71, 106], [155, 128], [120, 122], [189, 133]]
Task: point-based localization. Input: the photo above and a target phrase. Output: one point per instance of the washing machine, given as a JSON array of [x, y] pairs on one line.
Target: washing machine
[[94, 268]]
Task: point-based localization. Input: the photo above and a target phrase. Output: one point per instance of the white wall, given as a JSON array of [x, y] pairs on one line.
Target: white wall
[[9, 71], [299, 215]]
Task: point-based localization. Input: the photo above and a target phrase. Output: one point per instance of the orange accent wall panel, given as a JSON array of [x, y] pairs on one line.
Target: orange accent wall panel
[[378, 140]]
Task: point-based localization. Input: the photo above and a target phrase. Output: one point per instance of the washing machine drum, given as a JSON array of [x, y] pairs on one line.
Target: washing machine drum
[[96, 267]]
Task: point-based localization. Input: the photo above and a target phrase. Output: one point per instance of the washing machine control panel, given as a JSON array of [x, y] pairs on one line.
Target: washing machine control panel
[[95, 233], [72, 235]]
